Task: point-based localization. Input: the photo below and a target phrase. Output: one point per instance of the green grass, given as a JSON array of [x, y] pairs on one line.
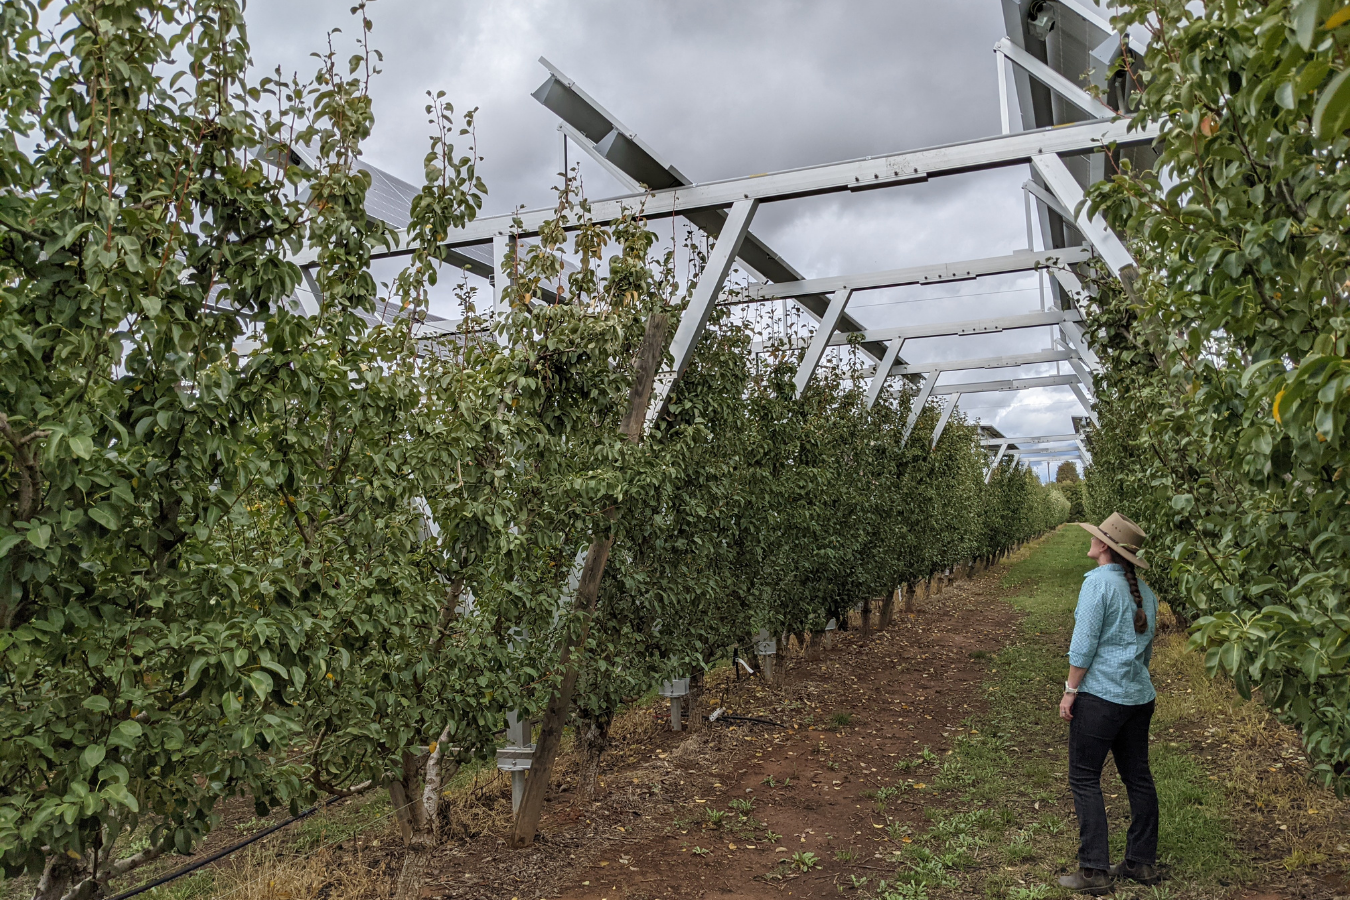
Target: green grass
[[1004, 824]]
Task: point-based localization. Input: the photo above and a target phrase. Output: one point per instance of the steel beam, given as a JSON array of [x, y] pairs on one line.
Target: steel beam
[[883, 370], [635, 164], [1002, 449], [970, 327], [1014, 384], [1039, 439], [695, 316], [942, 422], [968, 270], [1137, 38], [1073, 336], [988, 362], [821, 339], [1055, 81], [1049, 199], [1063, 185], [499, 279], [916, 409], [1084, 399], [859, 174], [1082, 371]]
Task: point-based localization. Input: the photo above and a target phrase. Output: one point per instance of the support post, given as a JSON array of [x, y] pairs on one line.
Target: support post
[[695, 317], [821, 339], [1083, 373], [1075, 339], [1109, 246], [884, 370], [1002, 449], [1053, 80], [1004, 112], [1084, 399], [545, 754], [919, 400], [942, 422], [500, 277]]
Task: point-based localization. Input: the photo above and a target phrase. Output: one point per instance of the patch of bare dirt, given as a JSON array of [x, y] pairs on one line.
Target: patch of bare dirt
[[806, 778]]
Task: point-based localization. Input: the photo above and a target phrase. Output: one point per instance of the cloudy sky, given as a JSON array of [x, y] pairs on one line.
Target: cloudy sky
[[722, 89]]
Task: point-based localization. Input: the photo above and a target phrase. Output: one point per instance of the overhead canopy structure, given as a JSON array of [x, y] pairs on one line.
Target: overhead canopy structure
[[1060, 105]]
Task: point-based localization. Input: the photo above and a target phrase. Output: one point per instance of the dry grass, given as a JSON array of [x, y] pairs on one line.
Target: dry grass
[[314, 877], [1290, 822]]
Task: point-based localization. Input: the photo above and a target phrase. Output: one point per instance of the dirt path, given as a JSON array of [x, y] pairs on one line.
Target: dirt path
[[810, 785]]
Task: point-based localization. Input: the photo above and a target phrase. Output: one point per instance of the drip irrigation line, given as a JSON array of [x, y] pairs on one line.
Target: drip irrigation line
[[755, 720], [226, 851]]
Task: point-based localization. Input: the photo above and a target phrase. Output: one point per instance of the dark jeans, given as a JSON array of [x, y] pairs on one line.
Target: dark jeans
[[1099, 726]]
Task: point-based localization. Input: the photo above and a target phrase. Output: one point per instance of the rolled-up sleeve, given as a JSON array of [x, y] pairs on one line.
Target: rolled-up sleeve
[[1087, 625]]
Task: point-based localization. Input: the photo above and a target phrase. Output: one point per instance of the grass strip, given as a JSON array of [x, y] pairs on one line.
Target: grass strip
[[1004, 826]]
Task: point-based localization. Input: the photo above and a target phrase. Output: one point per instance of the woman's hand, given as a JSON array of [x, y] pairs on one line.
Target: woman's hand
[[1066, 706]]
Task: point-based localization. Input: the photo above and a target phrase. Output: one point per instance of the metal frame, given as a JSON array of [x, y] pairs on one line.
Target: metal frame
[[1053, 80], [941, 273], [852, 175]]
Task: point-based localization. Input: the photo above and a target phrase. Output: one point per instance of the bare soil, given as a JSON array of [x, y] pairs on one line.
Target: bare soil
[[649, 835]]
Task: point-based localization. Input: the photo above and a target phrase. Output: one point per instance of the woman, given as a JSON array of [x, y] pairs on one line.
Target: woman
[[1108, 703]]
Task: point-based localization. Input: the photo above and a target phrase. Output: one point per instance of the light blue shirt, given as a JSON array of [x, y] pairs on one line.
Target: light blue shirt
[[1104, 640]]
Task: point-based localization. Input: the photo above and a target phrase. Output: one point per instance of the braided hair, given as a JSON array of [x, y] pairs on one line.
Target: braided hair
[[1140, 617]]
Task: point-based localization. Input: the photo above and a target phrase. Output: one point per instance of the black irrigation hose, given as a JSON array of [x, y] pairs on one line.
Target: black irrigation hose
[[755, 720], [220, 854]]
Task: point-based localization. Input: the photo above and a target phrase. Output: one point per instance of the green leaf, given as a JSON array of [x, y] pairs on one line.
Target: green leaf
[[1305, 21], [96, 703], [104, 515], [1331, 116], [125, 734], [150, 304], [40, 536], [118, 793], [93, 755], [82, 445]]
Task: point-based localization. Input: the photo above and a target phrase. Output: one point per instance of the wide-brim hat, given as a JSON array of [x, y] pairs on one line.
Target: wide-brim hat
[[1121, 535]]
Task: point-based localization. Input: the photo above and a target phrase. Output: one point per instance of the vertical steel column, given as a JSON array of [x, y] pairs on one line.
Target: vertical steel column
[[919, 402], [821, 339], [942, 422], [499, 276], [883, 370], [1004, 111], [709, 286]]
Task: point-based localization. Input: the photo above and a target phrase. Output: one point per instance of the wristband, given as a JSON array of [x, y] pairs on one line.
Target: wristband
[[1069, 690]]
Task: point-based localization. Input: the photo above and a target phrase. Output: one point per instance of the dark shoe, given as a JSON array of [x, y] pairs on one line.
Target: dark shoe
[[1140, 872], [1088, 881]]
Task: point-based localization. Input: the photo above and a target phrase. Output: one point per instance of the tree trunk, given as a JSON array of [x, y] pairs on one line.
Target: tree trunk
[[398, 798], [888, 608], [909, 597], [439, 771], [592, 741], [650, 354], [56, 877], [867, 618]]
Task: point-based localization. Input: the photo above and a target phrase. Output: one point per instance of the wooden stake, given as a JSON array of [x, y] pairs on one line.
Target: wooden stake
[[650, 354]]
